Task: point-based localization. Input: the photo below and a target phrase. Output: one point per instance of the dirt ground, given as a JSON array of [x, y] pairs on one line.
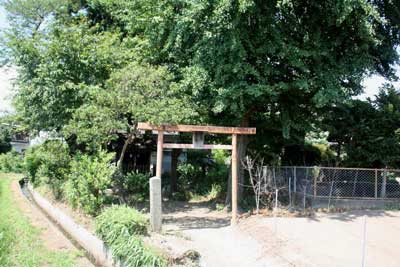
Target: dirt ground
[[199, 227], [321, 240], [52, 237], [329, 239]]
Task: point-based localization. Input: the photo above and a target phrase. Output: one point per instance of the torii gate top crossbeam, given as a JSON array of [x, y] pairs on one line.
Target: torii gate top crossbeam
[[197, 128]]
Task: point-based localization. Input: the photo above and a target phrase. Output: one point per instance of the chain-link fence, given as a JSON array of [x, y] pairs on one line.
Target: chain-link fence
[[320, 186]]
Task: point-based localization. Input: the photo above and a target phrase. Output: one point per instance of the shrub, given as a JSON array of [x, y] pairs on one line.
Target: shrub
[[199, 176], [120, 227], [90, 176], [188, 174], [11, 162], [32, 162], [137, 183], [49, 164], [118, 219], [134, 185]]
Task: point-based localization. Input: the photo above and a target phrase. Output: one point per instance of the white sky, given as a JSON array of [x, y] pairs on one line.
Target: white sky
[[373, 83], [7, 75]]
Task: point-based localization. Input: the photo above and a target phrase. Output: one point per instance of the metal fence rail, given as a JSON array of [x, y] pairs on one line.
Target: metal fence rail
[[337, 182]]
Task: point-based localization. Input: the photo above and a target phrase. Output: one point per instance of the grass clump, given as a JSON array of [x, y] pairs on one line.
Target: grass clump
[[121, 228]]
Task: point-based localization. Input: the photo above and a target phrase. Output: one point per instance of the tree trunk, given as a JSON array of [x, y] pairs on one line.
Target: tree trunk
[[174, 166], [119, 174], [123, 151]]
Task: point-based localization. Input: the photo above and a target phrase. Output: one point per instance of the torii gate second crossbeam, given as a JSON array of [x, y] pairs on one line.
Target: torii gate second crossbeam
[[198, 143]]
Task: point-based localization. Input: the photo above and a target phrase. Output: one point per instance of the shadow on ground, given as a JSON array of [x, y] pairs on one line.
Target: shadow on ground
[[348, 216], [194, 215], [191, 222]]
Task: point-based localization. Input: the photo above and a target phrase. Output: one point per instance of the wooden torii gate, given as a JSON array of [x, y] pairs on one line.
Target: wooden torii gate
[[198, 143]]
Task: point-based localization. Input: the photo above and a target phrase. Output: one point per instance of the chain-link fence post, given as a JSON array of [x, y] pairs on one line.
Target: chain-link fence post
[[330, 195], [315, 175], [383, 189], [304, 197]]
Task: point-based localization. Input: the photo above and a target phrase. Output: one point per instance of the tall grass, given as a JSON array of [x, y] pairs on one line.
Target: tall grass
[[20, 242], [122, 229]]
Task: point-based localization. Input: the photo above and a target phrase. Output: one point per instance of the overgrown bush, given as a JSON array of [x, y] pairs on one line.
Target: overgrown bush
[[89, 177], [49, 164], [137, 184], [203, 176], [11, 162], [120, 227], [118, 219], [131, 187], [32, 162]]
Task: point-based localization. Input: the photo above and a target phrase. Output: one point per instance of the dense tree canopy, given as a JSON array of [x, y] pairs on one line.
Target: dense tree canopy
[[89, 69], [366, 133]]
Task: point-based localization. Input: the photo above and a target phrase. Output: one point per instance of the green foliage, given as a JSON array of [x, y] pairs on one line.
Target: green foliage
[[32, 162], [90, 70], [120, 227], [366, 131], [138, 92], [137, 184], [11, 162], [5, 139], [202, 176], [87, 181], [48, 164], [116, 220]]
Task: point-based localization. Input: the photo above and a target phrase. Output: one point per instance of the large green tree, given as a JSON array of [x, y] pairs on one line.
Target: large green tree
[[366, 133], [270, 64]]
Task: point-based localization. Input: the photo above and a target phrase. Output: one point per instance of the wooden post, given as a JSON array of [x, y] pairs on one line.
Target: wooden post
[[234, 179], [376, 183], [160, 141]]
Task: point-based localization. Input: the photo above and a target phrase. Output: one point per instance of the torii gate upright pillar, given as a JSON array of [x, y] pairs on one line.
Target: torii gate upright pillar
[[234, 179]]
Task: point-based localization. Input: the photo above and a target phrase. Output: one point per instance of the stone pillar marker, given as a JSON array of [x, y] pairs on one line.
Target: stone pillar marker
[[155, 189], [155, 204]]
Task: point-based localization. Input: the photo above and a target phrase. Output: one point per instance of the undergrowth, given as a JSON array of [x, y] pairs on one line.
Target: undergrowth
[[121, 229]]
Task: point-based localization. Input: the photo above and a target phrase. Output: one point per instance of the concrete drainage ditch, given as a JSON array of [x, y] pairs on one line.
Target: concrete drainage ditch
[[95, 248]]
